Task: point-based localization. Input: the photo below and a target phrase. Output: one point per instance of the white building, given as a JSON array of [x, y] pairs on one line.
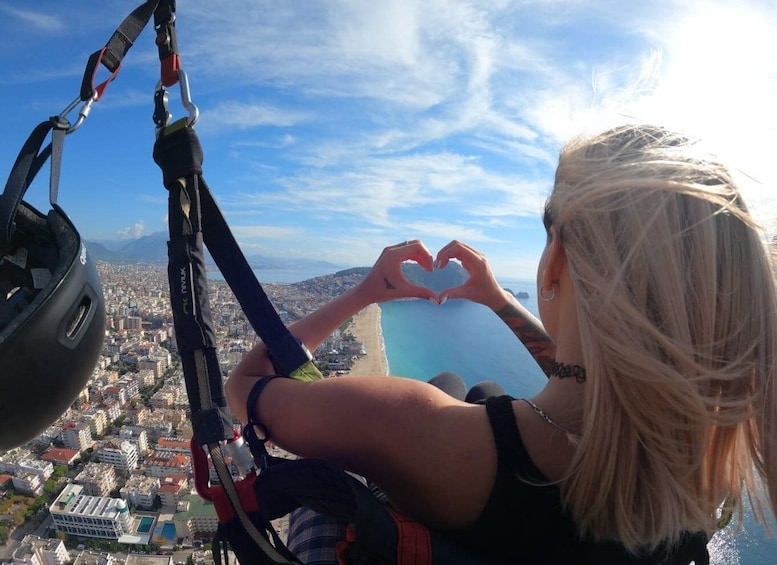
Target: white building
[[37, 551], [88, 557], [112, 409], [90, 516], [140, 491], [122, 455], [97, 419], [27, 483], [23, 461], [161, 464], [136, 436], [77, 436], [130, 386], [98, 479], [195, 517]]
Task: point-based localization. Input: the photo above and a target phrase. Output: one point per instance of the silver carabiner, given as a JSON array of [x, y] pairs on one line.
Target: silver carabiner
[[186, 97], [160, 97], [83, 113]]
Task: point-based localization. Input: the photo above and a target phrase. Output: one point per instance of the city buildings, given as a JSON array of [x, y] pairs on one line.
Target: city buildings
[[38, 551], [28, 484], [163, 463], [114, 408], [98, 479], [23, 461], [79, 514], [77, 435], [140, 491], [122, 455]]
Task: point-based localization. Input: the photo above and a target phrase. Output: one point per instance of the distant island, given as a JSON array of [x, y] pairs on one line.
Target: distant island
[[521, 294]]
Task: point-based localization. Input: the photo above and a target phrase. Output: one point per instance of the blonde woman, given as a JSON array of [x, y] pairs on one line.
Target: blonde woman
[[659, 333]]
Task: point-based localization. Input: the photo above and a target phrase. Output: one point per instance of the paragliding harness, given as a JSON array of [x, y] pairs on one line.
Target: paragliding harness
[[265, 487], [270, 487]]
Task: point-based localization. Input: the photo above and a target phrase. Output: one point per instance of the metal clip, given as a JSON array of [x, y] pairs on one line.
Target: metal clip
[[161, 114], [83, 113]]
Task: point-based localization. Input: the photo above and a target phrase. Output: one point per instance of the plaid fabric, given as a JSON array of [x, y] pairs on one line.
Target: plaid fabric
[[313, 537]]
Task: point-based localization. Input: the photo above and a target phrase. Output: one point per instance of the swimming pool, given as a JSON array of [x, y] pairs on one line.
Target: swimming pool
[[145, 524], [168, 531]]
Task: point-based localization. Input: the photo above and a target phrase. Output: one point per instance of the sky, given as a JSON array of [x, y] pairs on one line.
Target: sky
[[334, 128]]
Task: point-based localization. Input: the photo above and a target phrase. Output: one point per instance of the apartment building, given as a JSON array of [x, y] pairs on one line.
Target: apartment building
[[98, 479], [79, 514], [122, 455], [77, 435], [140, 491], [38, 551]]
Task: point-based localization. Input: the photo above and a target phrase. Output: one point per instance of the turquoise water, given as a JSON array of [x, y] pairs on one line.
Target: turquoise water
[[422, 339], [145, 524], [168, 531]]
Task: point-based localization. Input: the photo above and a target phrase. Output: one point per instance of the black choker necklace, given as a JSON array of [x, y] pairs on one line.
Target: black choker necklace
[[563, 371]]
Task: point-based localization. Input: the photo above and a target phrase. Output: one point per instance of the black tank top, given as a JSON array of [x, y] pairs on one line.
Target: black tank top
[[523, 521]]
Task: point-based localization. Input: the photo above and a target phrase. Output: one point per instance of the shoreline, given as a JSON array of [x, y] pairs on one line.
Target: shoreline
[[366, 329]]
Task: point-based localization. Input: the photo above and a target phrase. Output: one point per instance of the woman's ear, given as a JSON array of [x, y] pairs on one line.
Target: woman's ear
[[556, 262]]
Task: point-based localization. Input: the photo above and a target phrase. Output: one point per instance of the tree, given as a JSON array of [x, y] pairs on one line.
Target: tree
[[5, 531]]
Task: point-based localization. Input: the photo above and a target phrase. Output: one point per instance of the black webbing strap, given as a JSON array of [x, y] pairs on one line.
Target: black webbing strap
[[179, 155], [167, 42], [114, 51], [29, 161], [194, 220]]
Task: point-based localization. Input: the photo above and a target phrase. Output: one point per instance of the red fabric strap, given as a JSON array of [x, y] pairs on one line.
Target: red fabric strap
[[414, 544]]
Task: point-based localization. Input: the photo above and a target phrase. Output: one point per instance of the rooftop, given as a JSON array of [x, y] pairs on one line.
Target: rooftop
[[61, 455]]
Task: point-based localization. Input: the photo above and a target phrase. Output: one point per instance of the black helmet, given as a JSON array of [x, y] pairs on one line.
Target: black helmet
[[52, 313]]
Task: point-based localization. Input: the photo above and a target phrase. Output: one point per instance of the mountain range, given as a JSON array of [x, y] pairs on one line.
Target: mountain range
[[153, 249]]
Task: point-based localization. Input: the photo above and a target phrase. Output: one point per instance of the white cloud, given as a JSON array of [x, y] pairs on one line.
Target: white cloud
[[232, 115], [269, 232], [38, 20], [447, 231], [131, 232]]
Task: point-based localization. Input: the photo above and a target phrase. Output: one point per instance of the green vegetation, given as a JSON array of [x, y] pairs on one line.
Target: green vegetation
[[23, 508], [106, 545]]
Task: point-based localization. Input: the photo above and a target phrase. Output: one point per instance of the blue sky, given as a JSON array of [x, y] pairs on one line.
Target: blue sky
[[334, 128]]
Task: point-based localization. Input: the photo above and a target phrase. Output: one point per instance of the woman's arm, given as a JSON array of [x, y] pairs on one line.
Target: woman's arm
[[430, 453], [384, 282], [481, 287]]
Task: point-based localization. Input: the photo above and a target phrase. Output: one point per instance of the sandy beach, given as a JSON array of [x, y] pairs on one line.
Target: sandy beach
[[366, 329]]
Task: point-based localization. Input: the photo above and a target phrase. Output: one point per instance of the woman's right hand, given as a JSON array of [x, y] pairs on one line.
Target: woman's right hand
[[481, 286], [385, 280]]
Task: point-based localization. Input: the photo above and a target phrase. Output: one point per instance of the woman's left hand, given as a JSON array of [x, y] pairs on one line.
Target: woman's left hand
[[385, 281], [481, 286]]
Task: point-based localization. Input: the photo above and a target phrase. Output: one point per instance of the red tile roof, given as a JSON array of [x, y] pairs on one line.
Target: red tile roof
[[60, 455]]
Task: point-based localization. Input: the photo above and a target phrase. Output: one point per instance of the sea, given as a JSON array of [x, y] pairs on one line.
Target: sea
[[422, 339]]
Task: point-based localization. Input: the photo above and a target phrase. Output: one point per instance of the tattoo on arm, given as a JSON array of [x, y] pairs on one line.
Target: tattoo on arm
[[388, 284], [532, 335]]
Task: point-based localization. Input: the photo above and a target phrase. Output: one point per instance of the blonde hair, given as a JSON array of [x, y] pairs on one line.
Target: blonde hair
[[678, 320]]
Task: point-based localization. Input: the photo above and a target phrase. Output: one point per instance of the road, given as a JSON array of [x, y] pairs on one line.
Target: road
[[16, 537]]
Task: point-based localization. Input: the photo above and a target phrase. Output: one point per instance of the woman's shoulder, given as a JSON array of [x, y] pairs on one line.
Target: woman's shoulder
[[525, 443]]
